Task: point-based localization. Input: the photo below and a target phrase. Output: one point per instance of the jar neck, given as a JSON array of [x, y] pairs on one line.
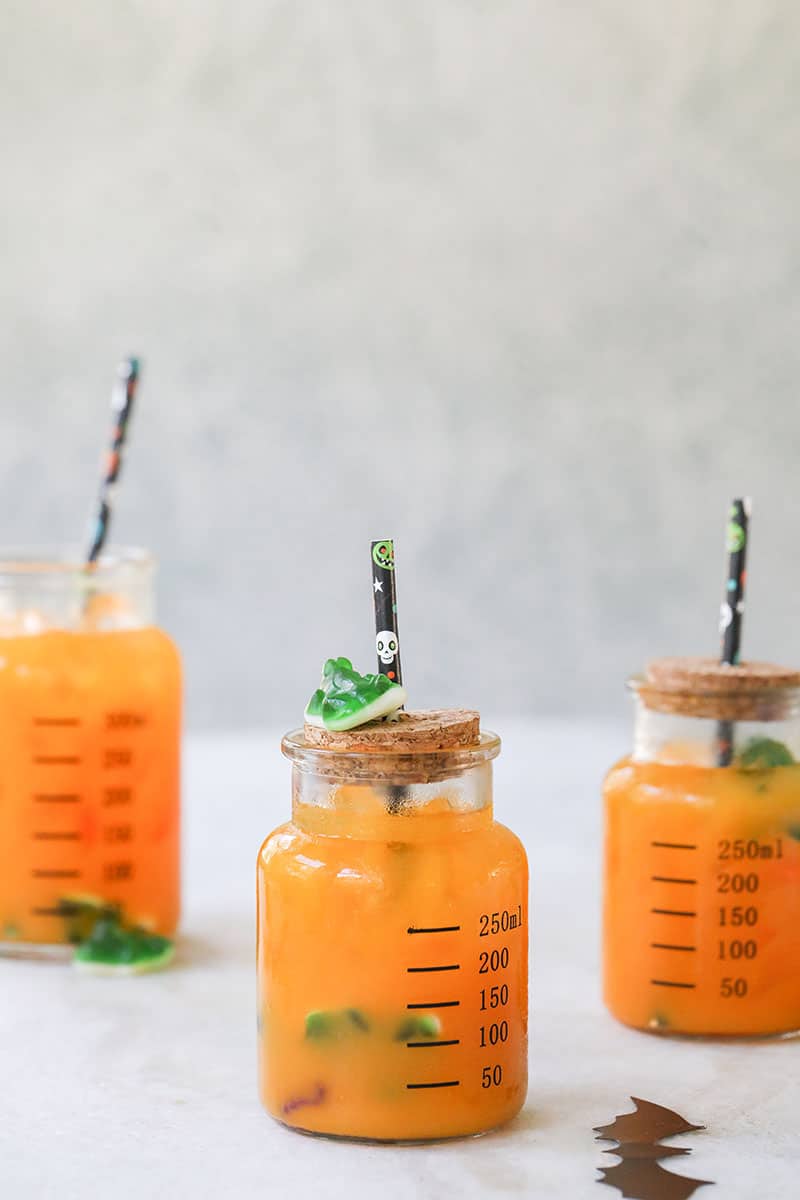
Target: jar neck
[[56, 590], [677, 738], [374, 810]]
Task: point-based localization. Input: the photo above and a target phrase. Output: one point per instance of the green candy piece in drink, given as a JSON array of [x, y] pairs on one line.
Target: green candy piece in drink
[[112, 949], [418, 1027], [346, 699], [82, 912], [322, 1025], [760, 754]]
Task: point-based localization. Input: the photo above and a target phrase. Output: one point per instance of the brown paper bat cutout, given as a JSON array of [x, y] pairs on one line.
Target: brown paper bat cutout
[[650, 1123], [640, 1175], [630, 1150], [645, 1179]]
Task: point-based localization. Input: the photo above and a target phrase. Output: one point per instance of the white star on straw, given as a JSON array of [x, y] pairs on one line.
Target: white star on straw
[[378, 586]]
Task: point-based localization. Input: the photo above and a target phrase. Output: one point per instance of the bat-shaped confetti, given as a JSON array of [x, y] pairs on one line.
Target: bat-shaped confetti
[[646, 1179], [638, 1134], [649, 1123]]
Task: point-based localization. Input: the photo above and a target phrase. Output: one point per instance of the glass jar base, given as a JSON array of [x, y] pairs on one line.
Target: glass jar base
[[42, 951], [779, 1035], [376, 1141]]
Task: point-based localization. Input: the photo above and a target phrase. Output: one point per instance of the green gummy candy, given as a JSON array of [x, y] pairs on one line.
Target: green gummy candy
[[346, 699], [759, 754], [321, 1024], [82, 913], [425, 1027], [111, 949]]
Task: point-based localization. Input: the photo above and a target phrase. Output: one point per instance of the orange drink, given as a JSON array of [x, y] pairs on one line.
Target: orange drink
[[90, 695], [702, 862], [392, 940]]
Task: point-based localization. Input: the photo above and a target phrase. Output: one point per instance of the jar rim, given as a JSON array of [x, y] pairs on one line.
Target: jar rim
[[388, 766], [59, 562], [704, 687]]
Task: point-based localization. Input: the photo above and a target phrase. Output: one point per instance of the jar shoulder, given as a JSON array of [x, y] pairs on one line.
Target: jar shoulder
[[496, 844], [168, 657], [285, 840], [509, 844]]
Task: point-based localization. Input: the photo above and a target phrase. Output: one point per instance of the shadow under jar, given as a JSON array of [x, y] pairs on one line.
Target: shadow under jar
[[702, 861], [90, 698], [392, 938]]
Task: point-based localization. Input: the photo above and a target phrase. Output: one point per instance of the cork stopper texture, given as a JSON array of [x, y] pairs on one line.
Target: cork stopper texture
[[704, 687], [412, 733]]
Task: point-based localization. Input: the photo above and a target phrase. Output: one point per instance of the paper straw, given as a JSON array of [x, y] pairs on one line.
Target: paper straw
[[384, 589], [122, 404], [387, 642], [732, 609]]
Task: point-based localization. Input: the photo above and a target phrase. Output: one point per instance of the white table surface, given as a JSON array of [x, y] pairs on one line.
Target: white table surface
[[146, 1087]]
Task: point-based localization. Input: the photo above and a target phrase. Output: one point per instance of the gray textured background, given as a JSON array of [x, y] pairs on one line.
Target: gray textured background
[[513, 281]]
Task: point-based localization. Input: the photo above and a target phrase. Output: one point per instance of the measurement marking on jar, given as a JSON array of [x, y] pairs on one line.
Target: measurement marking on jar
[[55, 873], [58, 722], [501, 921], [435, 929], [674, 845], [445, 1083], [671, 983], [424, 970], [433, 1045], [117, 756], [739, 848], [47, 836], [57, 760], [437, 1004], [121, 795], [57, 797], [118, 871], [672, 912], [666, 946], [670, 879]]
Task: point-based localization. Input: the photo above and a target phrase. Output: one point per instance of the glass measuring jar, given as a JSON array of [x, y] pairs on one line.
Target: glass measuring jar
[[702, 861], [90, 694], [392, 937]]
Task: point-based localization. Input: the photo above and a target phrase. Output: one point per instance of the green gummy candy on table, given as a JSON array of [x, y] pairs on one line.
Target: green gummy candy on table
[[111, 949], [760, 753], [346, 699]]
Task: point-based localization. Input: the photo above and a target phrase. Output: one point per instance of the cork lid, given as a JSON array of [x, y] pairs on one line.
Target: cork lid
[[411, 733], [704, 687], [419, 747]]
